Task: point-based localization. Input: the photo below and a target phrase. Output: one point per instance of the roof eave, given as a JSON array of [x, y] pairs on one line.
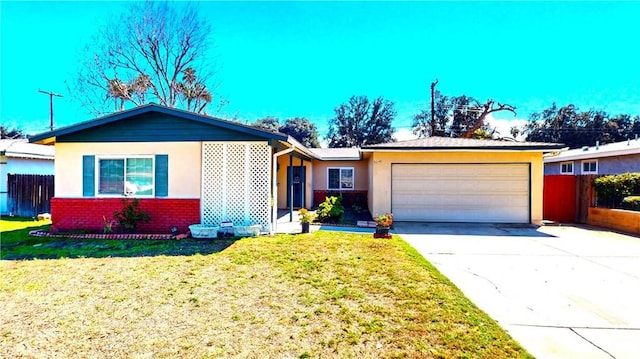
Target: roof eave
[[341, 158], [43, 140], [51, 135], [299, 148], [30, 156], [466, 149], [589, 155]]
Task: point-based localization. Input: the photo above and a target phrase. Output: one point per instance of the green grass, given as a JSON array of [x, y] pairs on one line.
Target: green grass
[[15, 243], [327, 294]]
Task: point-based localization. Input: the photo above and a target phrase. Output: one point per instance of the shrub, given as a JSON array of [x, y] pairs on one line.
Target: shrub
[[631, 202], [305, 216], [612, 189], [330, 210], [130, 215]]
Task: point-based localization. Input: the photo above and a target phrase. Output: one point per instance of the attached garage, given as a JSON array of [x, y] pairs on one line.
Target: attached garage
[[443, 179], [454, 192]]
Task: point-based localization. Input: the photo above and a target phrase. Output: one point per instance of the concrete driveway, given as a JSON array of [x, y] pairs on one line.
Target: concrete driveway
[[562, 292]]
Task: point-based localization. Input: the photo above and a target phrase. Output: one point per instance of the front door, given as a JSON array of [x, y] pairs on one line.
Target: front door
[[297, 181]]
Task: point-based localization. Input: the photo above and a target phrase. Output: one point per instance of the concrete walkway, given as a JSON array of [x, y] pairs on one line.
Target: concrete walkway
[[562, 292], [288, 226], [291, 224]]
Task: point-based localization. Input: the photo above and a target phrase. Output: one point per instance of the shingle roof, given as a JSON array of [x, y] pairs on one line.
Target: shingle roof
[[448, 143]]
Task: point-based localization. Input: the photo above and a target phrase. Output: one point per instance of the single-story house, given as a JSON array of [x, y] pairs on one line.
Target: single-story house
[[612, 158], [188, 168], [18, 156]]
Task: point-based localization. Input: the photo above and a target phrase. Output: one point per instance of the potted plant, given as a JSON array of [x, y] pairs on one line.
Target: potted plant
[[305, 218], [383, 224]]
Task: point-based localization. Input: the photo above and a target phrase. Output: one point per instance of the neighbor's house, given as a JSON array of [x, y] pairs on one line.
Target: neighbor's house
[[612, 158], [568, 193], [187, 168], [18, 156]]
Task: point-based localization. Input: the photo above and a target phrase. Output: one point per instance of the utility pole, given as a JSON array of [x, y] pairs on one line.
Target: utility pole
[[433, 108], [51, 94]]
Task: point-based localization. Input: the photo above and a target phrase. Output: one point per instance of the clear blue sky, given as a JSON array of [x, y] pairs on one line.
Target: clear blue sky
[[289, 59]]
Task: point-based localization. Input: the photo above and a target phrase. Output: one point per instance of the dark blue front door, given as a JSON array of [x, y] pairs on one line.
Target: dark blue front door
[[297, 180]]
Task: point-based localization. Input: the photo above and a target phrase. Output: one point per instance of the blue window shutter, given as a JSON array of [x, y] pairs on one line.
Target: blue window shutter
[[88, 176], [162, 175]]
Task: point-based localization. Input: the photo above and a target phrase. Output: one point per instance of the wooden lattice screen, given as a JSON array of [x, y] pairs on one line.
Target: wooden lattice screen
[[236, 183]]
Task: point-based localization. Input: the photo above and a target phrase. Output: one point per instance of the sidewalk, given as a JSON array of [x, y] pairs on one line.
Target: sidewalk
[[284, 225]]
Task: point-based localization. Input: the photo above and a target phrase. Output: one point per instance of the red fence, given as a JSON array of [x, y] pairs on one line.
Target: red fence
[[560, 198]]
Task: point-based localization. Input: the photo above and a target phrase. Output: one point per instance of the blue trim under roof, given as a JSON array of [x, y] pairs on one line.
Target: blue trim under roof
[[87, 126]]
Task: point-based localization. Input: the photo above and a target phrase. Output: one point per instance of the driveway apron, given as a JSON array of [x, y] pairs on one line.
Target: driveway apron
[[562, 292]]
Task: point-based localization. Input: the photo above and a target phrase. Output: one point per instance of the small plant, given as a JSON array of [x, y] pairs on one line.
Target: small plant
[[631, 202], [305, 216], [330, 210], [108, 225], [385, 220], [131, 215]]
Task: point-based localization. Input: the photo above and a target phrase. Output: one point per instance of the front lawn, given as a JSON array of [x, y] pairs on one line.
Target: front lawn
[[327, 294], [15, 243]]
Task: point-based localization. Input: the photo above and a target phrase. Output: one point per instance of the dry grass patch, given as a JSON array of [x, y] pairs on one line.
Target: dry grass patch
[[306, 296]]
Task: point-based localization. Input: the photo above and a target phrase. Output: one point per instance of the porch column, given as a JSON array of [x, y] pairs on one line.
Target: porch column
[[290, 180], [303, 177]]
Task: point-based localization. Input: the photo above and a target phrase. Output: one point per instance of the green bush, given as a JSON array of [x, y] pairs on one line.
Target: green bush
[[130, 216], [612, 189], [631, 202], [330, 210]]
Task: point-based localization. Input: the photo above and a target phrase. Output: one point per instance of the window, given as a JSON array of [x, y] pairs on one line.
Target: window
[[131, 176], [340, 178], [566, 168], [590, 167]]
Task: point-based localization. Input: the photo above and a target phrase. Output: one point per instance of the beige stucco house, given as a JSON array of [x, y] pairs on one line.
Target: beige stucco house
[[187, 168]]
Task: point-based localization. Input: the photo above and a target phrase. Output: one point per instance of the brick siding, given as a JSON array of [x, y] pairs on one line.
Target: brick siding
[[349, 198], [86, 213]]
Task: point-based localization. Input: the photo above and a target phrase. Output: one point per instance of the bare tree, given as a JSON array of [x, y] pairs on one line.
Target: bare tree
[[457, 116], [141, 55], [485, 109]]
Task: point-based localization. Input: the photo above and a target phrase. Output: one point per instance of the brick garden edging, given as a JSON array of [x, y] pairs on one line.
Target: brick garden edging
[[109, 236]]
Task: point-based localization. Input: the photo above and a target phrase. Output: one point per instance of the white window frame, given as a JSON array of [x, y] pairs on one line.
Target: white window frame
[[124, 157], [594, 172], [353, 178], [566, 163]]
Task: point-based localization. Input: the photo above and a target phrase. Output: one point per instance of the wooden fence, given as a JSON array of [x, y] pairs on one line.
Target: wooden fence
[[586, 196], [29, 195]]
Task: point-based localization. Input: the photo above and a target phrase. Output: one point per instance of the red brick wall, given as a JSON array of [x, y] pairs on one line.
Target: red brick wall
[[349, 198], [86, 213]]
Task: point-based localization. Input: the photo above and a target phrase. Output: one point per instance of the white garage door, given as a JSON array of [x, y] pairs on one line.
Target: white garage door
[[496, 193]]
